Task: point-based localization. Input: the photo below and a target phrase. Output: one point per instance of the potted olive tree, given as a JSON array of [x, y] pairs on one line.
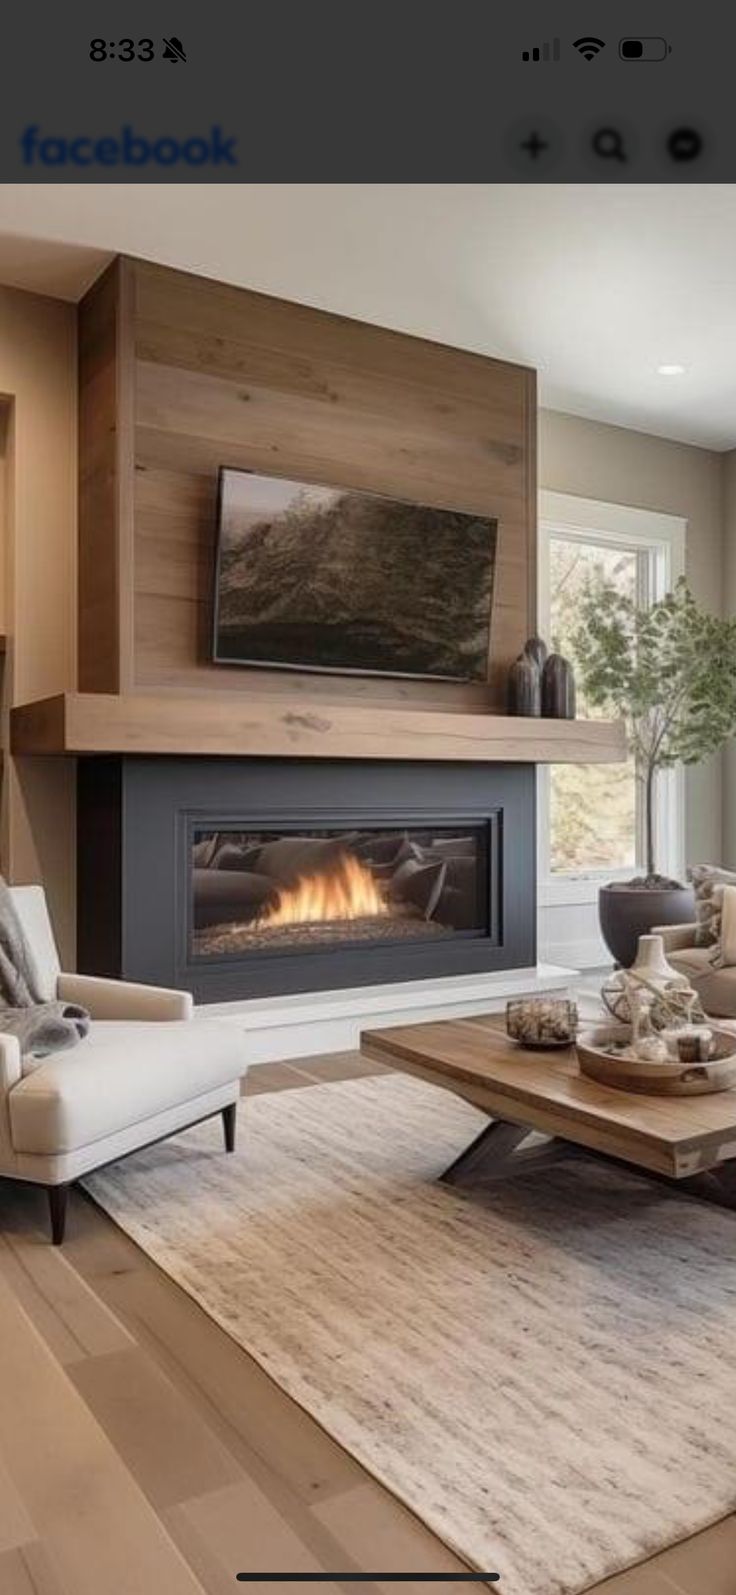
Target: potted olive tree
[[669, 672]]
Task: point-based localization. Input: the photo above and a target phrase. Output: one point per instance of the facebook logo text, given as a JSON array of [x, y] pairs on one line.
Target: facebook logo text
[[128, 148]]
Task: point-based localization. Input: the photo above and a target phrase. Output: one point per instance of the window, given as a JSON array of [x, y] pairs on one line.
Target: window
[[590, 821]]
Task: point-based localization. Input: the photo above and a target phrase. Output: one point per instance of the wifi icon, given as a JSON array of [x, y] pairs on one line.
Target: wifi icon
[[589, 48]]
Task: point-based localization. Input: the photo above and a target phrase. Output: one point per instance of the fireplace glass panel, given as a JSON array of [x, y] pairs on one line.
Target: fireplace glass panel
[[271, 891]]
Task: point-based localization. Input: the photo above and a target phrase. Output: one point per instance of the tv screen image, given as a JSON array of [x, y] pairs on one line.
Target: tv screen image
[[327, 578]]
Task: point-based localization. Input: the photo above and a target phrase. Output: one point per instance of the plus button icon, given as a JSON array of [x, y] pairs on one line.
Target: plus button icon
[[534, 145]]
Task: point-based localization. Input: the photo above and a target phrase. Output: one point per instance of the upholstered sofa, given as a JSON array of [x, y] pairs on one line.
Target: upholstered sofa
[[715, 987], [147, 1069]]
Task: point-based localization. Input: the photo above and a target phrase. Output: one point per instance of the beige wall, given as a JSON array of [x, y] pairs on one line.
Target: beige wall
[[729, 608], [623, 467], [38, 393], [5, 503]]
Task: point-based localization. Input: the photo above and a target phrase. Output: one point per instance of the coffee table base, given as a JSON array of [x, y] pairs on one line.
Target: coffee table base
[[498, 1153]]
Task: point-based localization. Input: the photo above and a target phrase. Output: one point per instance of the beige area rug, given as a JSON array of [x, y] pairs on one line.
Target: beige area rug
[[545, 1373]]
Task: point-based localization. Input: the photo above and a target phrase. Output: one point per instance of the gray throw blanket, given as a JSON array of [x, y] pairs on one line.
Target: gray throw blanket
[[41, 1027]]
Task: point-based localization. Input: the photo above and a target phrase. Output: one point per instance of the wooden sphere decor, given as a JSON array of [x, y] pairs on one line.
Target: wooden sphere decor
[[558, 688], [524, 686]]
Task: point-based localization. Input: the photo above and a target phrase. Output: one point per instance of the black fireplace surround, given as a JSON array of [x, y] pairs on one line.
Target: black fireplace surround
[[188, 868]]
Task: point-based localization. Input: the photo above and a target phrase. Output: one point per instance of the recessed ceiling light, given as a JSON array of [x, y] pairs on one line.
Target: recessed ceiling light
[[670, 371]]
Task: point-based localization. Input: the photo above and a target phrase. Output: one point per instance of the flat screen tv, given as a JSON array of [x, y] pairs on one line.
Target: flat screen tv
[[326, 578]]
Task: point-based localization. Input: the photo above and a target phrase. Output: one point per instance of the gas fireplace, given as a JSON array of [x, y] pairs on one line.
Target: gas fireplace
[[247, 878], [281, 891]]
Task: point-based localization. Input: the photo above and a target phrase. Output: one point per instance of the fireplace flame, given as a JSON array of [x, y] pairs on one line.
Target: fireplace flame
[[347, 892]]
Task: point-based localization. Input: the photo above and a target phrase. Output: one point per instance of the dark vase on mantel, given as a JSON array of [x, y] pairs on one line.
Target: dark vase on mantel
[[558, 689], [537, 649], [525, 686]]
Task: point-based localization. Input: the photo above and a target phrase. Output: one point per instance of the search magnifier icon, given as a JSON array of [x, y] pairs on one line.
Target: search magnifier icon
[[608, 143]]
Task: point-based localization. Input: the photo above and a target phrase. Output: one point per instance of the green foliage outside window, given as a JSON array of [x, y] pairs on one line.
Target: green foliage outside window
[[668, 670], [592, 817]]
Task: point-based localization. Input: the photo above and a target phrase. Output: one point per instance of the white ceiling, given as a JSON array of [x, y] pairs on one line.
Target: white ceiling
[[595, 285]]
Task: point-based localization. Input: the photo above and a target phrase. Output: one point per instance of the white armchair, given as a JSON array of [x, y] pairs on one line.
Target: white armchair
[[147, 1069]]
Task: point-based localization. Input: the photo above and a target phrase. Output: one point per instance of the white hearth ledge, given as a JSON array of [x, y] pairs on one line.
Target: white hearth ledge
[[331, 1021]]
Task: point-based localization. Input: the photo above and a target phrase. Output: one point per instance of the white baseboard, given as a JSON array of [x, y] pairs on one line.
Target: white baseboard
[[331, 1021]]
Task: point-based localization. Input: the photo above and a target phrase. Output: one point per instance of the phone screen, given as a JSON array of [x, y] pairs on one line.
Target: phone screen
[[367, 798]]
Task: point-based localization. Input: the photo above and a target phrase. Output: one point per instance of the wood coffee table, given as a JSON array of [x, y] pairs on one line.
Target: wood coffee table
[[690, 1140]]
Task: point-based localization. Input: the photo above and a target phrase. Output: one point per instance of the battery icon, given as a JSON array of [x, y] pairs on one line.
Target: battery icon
[[643, 49]]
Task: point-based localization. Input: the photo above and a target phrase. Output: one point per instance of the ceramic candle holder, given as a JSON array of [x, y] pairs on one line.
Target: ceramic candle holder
[[694, 1044], [689, 1043]]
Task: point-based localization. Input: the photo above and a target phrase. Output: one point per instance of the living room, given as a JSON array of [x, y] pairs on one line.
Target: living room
[[368, 949]]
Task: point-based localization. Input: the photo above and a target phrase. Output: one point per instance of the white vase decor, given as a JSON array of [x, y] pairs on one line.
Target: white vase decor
[[668, 995], [651, 965], [648, 1041]]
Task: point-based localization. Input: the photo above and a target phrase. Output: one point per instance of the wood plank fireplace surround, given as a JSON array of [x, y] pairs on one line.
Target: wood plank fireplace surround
[[179, 758]]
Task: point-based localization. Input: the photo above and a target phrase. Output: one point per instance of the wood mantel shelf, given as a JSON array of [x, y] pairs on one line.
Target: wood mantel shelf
[[213, 726]]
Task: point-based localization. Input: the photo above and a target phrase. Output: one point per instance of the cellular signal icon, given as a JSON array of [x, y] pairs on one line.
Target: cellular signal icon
[[545, 52], [174, 50]]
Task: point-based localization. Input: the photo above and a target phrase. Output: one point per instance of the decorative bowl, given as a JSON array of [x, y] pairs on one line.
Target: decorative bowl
[[671, 1079]]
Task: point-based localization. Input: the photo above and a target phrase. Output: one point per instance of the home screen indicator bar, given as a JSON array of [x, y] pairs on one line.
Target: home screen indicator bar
[[368, 1578]]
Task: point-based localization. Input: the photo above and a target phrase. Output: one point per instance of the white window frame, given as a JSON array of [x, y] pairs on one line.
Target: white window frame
[[663, 539]]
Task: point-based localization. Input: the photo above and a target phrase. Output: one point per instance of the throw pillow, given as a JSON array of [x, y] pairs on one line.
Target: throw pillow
[[706, 878], [418, 885], [233, 855], [459, 905], [294, 858], [221, 896], [204, 851], [453, 846], [724, 955], [383, 864], [375, 848]]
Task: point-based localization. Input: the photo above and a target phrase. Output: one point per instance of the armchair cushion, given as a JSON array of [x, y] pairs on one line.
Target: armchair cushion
[[123, 999], [716, 988], [10, 1062], [122, 1074], [675, 938]]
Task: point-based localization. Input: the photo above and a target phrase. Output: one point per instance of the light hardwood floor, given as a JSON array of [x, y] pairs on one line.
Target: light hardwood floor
[[143, 1453]]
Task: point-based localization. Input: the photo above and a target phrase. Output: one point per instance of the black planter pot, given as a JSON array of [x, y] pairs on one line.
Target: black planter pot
[[628, 913]]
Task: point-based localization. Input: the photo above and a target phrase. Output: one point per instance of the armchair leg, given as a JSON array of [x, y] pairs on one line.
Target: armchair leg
[[229, 1122], [57, 1209]]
